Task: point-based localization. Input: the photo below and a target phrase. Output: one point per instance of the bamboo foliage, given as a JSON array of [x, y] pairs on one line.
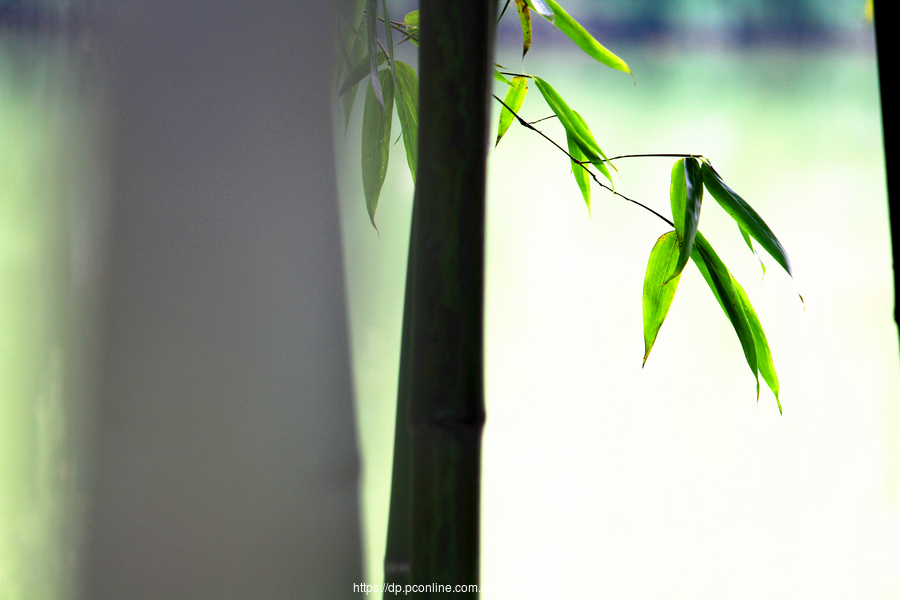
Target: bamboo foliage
[[442, 112]]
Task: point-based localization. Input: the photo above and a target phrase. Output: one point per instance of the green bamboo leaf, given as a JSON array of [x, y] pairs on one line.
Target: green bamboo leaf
[[372, 39], [749, 242], [584, 40], [353, 74], [499, 77], [745, 216], [579, 171], [686, 196], [525, 20], [574, 125], [376, 139], [515, 96], [407, 97], [763, 354], [411, 19], [411, 22], [360, 70], [389, 37], [660, 283], [722, 284]]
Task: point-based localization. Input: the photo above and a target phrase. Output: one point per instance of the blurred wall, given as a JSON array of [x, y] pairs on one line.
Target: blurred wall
[[226, 458]]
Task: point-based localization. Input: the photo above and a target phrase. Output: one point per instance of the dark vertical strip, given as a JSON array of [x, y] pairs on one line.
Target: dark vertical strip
[[884, 44], [447, 399]]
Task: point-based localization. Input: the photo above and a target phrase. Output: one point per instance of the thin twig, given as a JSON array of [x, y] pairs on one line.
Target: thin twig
[[503, 12], [652, 156], [528, 125]]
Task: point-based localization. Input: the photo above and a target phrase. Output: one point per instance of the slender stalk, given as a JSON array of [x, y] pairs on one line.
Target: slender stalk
[[446, 415], [883, 42], [397, 553]]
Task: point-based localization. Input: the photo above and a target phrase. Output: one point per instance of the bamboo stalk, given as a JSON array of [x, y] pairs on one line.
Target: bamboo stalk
[[446, 415]]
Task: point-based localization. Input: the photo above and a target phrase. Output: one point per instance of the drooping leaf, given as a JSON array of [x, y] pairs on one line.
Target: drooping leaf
[[376, 139], [515, 96], [749, 242], [745, 216], [355, 68], [361, 69], [722, 284], [500, 77], [525, 20], [763, 354], [601, 165], [578, 34], [372, 40], [574, 125], [685, 196], [407, 97], [582, 177], [389, 37], [660, 284]]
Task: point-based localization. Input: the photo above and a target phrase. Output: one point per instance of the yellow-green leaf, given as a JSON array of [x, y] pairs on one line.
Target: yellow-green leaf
[[376, 139], [763, 354], [584, 40], [579, 171], [525, 20], [515, 96], [660, 284], [724, 288], [574, 125]]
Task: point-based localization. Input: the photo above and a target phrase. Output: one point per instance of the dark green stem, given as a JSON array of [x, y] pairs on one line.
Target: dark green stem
[[446, 414]]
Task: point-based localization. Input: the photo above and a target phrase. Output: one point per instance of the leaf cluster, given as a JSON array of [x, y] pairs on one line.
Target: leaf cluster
[[670, 254], [394, 83]]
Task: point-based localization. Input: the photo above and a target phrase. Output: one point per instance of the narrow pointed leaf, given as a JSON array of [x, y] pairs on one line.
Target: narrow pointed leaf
[[389, 38], [372, 40], [745, 216], [515, 96], [686, 196], [582, 177], [353, 74], [376, 139], [660, 284], [360, 70], [601, 165], [720, 281], [763, 354], [500, 77], [525, 20], [574, 125], [407, 97], [749, 241], [583, 39]]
